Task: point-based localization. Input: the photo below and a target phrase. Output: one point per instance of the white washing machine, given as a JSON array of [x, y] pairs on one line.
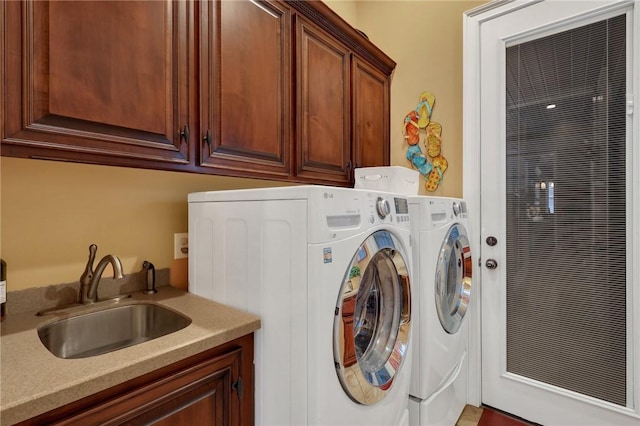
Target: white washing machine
[[327, 270], [442, 266]]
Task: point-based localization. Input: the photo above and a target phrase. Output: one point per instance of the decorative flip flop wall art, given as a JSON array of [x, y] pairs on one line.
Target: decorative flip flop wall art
[[418, 128]]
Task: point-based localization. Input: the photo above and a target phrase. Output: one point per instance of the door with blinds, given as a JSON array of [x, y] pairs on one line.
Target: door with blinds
[[559, 193]]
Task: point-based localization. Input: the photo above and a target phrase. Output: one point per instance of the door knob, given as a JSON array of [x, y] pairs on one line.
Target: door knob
[[491, 264]]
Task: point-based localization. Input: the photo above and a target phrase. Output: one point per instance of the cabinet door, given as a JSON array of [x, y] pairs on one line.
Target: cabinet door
[[371, 115], [323, 106], [214, 387], [245, 88], [201, 394], [96, 81]]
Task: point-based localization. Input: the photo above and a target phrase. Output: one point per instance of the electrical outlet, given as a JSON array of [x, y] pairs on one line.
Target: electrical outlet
[[180, 245]]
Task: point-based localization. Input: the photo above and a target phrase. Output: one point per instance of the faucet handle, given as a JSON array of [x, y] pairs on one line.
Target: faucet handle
[[87, 275], [150, 277], [88, 270]]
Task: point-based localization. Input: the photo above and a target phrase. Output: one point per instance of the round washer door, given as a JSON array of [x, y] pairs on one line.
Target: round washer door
[[373, 319], [453, 279]]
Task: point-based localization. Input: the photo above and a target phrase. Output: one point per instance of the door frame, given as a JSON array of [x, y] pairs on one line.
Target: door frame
[[472, 118], [471, 167]]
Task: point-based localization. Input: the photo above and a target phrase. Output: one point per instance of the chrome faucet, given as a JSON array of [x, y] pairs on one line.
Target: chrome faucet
[[91, 278]]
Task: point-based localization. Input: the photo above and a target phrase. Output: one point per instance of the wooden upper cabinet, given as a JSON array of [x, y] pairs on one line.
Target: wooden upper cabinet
[[96, 81], [274, 89], [371, 115], [323, 106], [245, 88]]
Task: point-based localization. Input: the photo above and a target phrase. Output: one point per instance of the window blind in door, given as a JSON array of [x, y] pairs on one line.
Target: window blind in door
[[566, 210]]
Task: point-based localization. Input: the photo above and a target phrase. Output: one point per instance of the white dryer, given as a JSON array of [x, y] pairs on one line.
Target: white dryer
[[442, 267], [327, 270]]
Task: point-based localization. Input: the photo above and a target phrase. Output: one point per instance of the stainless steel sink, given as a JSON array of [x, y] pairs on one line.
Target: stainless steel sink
[[99, 332]]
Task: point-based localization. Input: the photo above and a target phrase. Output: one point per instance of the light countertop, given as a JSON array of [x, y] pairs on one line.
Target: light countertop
[[34, 381]]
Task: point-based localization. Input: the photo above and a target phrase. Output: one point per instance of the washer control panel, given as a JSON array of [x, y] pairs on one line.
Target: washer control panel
[[385, 208], [340, 212], [402, 205], [459, 209]]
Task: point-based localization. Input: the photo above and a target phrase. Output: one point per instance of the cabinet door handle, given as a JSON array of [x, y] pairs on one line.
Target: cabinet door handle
[[238, 387], [184, 134], [348, 166], [207, 138]]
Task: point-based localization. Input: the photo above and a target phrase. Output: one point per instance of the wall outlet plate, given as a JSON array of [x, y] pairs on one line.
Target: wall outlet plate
[[180, 245]]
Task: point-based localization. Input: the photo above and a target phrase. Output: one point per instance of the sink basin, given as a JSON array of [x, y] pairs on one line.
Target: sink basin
[[99, 332]]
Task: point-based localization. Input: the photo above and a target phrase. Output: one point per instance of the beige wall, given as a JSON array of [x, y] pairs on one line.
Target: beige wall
[[347, 9], [53, 211], [425, 40], [50, 211]]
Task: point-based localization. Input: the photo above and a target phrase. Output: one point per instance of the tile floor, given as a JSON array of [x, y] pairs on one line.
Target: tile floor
[[470, 416]]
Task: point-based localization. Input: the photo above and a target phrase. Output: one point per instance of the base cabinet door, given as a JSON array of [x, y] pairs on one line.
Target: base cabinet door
[[198, 395], [211, 388]]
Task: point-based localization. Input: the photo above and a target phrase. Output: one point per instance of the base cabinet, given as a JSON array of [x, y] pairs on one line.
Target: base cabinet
[[212, 388]]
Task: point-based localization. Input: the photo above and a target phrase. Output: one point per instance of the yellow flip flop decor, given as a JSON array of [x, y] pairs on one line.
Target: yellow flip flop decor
[[417, 122]]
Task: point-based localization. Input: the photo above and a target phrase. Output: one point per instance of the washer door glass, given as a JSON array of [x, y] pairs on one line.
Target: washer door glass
[[453, 279], [372, 319]]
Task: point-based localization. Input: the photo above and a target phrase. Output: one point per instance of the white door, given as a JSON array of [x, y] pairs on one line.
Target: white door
[[558, 203]]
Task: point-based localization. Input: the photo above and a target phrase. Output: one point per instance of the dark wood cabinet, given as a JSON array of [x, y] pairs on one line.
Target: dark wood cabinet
[[245, 88], [323, 105], [213, 388], [274, 89], [343, 108], [371, 106], [96, 81]]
